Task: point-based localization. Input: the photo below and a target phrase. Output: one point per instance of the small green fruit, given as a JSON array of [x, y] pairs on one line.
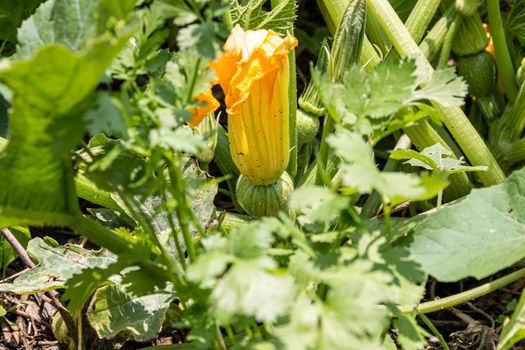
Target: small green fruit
[[307, 127], [264, 200], [479, 71]]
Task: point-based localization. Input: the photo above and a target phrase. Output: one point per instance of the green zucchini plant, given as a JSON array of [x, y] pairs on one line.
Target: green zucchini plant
[[99, 97]]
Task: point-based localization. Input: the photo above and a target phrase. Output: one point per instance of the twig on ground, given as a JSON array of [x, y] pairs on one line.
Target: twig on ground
[[18, 248], [53, 295]]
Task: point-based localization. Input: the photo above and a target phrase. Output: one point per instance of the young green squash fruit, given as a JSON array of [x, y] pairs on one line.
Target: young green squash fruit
[[307, 127], [479, 71], [264, 200]]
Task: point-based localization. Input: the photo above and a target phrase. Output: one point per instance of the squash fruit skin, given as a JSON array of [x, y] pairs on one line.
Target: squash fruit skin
[[479, 71], [266, 200], [307, 126]]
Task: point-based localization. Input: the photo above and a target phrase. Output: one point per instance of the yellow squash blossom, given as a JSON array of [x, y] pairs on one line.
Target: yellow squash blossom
[[253, 73]]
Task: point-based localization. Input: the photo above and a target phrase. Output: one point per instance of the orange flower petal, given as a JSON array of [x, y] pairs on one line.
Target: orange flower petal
[[247, 57], [253, 73], [198, 113]]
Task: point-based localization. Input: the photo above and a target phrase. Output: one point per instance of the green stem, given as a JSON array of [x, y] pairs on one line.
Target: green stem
[[373, 202], [434, 331], [100, 235], [179, 193], [386, 213], [292, 108], [515, 122], [436, 36], [173, 227], [322, 158], [224, 161], [87, 190], [376, 35], [515, 152], [420, 17], [230, 334], [228, 16], [490, 107], [449, 39], [503, 60], [424, 135], [460, 127], [460, 298], [232, 221], [146, 225], [219, 338]]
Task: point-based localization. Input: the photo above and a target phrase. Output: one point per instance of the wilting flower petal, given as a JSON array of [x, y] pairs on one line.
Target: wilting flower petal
[[253, 73]]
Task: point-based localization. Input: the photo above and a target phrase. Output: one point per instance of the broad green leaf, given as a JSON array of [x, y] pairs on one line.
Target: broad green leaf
[[55, 266], [200, 195], [249, 14], [137, 279], [12, 13], [117, 313], [403, 7], [105, 117], [475, 237], [35, 166], [206, 37], [37, 30], [73, 23], [514, 327], [435, 157]]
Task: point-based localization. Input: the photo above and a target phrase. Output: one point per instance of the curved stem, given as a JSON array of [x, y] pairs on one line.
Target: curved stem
[[503, 60], [460, 298], [434, 331]]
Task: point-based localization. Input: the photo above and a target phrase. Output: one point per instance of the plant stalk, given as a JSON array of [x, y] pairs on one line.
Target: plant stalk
[[434, 331], [503, 60], [420, 17], [292, 108], [373, 202], [89, 191], [460, 127], [463, 297], [422, 134], [100, 235], [179, 194], [433, 41]]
